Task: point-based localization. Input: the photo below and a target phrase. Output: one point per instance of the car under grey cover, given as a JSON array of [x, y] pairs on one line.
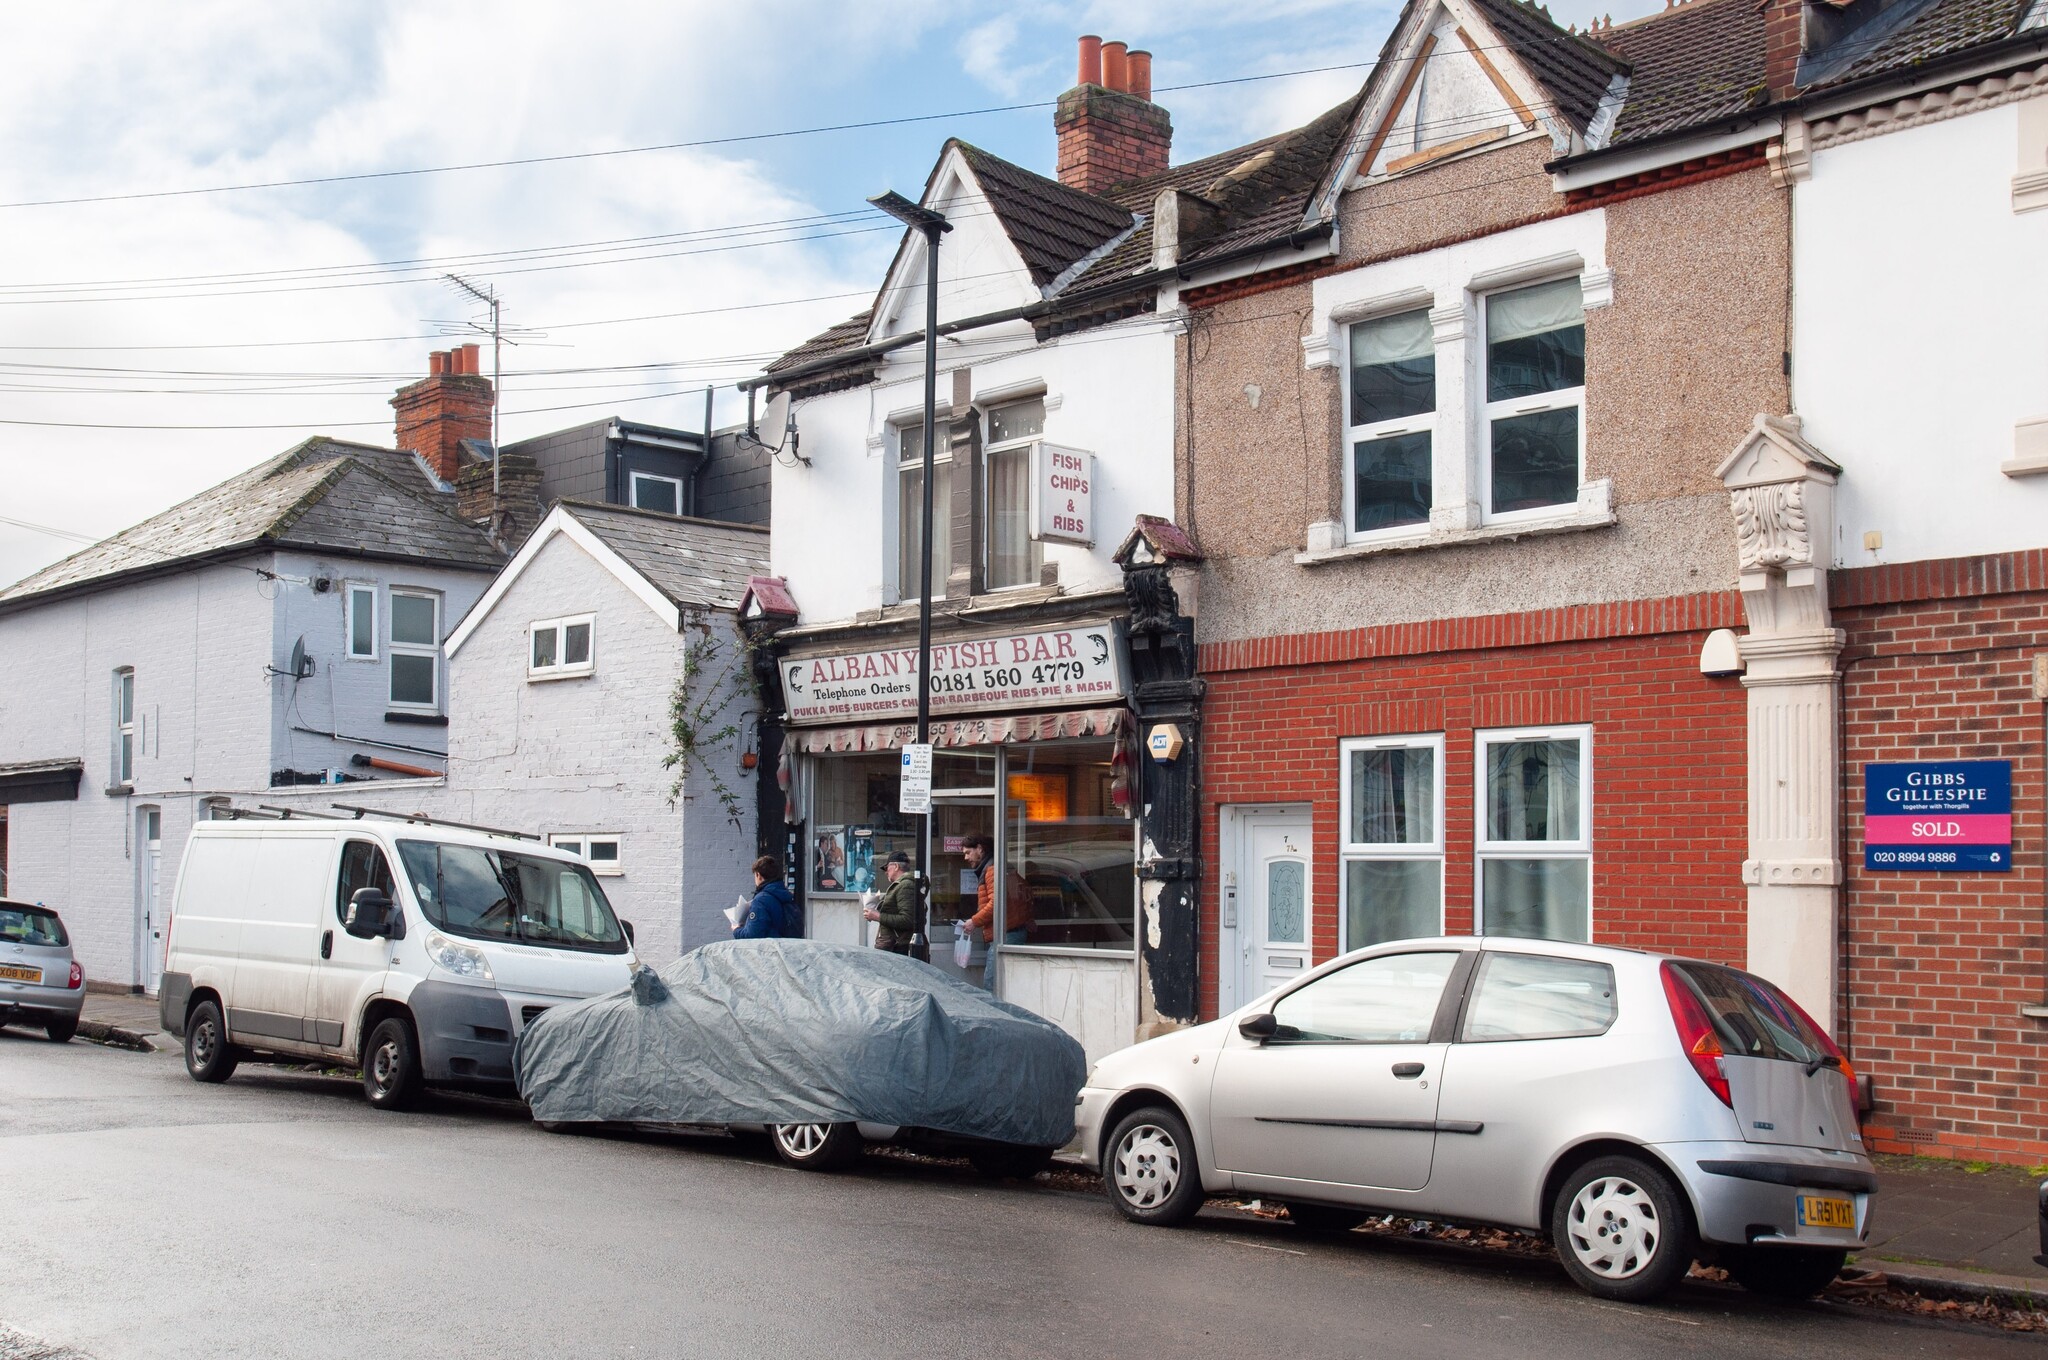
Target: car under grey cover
[[797, 1031]]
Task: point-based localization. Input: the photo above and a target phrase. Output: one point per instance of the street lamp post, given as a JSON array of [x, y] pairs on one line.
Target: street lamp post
[[932, 225]]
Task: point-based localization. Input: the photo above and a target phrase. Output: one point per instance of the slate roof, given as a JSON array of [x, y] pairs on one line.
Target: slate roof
[[1691, 66], [695, 563], [325, 495], [1575, 70]]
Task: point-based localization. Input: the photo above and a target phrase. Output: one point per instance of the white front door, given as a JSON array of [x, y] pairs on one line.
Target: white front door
[[1268, 903], [149, 859]]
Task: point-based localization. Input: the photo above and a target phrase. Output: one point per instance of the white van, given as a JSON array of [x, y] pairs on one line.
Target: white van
[[416, 952]]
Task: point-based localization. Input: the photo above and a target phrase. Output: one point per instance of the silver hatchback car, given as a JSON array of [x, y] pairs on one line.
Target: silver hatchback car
[[40, 983], [1644, 1111]]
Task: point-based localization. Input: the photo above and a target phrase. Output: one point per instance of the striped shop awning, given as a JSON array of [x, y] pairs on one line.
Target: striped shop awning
[[992, 730]]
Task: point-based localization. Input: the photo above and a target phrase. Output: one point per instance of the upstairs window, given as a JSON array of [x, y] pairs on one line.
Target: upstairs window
[[910, 511], [362, 622], [560, 647], [1535, 397], [1014, 431], [124, 725], [1392, 422], [415, 650], [651, 492]]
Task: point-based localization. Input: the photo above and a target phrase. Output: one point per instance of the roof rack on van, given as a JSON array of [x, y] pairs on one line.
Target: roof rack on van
[[285, 814], [424, 820]]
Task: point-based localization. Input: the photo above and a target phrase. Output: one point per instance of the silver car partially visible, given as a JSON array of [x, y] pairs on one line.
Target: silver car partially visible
[[41, 984], [1643, 1110]]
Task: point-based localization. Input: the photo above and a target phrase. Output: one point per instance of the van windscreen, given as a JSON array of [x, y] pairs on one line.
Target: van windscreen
[[505, 895]]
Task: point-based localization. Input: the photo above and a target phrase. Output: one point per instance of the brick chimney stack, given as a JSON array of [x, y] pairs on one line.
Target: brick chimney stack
[[450, 404], [1110, 131], [1784, 30]]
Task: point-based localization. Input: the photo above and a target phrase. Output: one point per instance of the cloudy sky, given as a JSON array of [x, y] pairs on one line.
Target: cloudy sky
[[156, 341]]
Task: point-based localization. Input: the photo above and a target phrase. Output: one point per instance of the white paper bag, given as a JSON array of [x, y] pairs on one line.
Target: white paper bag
[[963, 946], [737, 912]]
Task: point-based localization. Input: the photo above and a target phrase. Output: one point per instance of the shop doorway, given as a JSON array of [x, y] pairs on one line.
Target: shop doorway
[[1268, 901], [956, 888]]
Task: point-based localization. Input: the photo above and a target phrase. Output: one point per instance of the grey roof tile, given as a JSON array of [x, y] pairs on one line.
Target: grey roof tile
[[1691, 66], [693, 562]]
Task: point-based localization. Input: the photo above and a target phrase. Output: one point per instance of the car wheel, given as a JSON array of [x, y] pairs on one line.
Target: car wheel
[[1012, 1161], [60, 1031], [1321, 1218], [1623, 1231], [391, 1065], [1784, 1272], [1150, 1171], [209, 1056], [817, 1147]]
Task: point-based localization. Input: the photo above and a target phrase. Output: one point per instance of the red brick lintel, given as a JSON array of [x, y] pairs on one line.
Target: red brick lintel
[[1542, 627]]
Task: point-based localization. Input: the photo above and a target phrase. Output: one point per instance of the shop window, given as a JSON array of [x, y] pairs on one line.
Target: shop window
[[1392, 423], [855, 826], [650, 492], [415, 650], [1535, 397], [557, 648], [1013, 436], [362, 622], [600, 852], [124, 726], [1069, 848], [1536, 833], [1393, 844], [910, 511]]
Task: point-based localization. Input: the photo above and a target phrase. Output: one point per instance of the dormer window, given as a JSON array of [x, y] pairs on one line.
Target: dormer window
[[652, 492]]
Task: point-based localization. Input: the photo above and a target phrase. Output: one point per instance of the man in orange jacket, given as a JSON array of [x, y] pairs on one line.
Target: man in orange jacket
[[979, 852]]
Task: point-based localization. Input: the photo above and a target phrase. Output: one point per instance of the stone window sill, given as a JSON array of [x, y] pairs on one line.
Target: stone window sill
[[120, 790], [2029, 449], [418, 719], [1593, 511]]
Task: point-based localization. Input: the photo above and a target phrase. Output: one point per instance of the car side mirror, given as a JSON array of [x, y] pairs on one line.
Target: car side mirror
[[1260, 1027], [627, 926], [369, 915]]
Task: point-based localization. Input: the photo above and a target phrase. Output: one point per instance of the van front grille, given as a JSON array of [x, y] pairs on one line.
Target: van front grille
[[529, 1014]]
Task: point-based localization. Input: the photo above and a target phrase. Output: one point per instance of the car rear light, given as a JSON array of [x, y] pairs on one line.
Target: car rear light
[[1696, 1035], [77, 978]]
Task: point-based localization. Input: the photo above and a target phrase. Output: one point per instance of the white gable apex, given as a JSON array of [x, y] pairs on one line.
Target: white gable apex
[[562, 523], [980, 270]]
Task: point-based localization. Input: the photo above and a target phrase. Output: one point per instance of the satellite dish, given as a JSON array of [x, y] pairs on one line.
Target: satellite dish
[[774, 423], [301, 664]]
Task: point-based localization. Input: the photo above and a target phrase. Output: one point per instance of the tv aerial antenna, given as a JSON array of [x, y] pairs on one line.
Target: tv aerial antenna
[[488, 296]]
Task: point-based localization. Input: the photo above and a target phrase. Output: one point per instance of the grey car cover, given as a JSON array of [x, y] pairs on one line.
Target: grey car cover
[[797, 1031]]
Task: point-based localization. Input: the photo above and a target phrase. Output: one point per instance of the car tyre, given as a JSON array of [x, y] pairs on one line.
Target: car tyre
[[816, 1147], [1322, 1218], [209, 1057], [391, 1065], [1622, 1229], [1010, 1161], [60, 1031], [1149, 1168], [1784, 1272]]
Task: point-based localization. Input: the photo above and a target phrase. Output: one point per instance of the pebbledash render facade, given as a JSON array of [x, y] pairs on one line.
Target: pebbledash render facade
[[1543, 509]]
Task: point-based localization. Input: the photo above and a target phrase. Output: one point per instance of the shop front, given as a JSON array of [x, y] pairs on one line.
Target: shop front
[[1031, 793]]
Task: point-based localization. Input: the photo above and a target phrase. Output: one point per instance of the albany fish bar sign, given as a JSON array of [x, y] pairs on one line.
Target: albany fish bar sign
[[1936, 816], [1020, 670]]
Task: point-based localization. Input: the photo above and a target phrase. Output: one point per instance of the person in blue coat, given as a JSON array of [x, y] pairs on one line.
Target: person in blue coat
[[773, 913]]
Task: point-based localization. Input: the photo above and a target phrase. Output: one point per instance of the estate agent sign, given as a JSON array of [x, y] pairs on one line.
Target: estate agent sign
[[1048, 669], [1934, 816]]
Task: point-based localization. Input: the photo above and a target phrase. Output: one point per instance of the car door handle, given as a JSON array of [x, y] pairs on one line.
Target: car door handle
[[327, 952], [1406, 1070]]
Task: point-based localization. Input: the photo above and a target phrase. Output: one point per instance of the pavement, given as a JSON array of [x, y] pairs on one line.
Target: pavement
[[1946, 1228]]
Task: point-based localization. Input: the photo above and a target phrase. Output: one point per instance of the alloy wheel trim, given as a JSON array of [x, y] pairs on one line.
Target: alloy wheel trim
[[1147, 1169], [1613, 1228], [802, 1140]]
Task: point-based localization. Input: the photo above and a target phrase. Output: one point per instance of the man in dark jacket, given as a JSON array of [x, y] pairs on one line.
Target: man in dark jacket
[[773, 912], [895, 914]]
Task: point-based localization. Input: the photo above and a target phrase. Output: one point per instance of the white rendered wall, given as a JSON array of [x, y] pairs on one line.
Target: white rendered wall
[[1108, 391], [1920, 337]]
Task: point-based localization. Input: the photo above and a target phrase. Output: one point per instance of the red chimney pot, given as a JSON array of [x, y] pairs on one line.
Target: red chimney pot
[[1141, 75], [1116, 67], [1091, 61]]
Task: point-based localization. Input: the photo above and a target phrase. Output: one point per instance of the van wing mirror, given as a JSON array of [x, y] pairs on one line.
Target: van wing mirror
[[369, 914], [627, 926], [1260, 1027]]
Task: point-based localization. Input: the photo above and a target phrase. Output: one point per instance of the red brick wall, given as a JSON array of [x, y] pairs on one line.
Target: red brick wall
[[1668, 752], [1938, 667]]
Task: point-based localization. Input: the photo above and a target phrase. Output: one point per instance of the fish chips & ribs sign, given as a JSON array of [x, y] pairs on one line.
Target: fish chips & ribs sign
[[1019, 670]]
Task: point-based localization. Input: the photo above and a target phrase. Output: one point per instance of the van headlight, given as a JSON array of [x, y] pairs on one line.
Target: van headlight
[[463, 960]]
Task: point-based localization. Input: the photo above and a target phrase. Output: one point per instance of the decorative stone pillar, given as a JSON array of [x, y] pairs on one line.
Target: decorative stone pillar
[[1783, 494]]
